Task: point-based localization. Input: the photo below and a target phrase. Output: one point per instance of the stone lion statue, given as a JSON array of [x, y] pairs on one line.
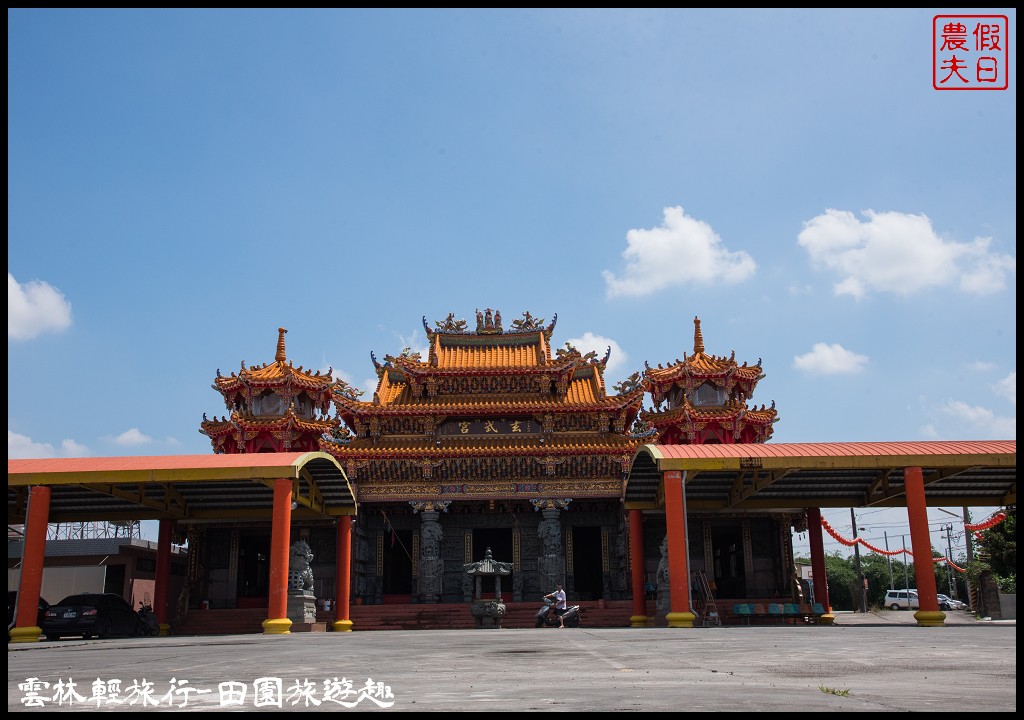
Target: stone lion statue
[[300, 574]]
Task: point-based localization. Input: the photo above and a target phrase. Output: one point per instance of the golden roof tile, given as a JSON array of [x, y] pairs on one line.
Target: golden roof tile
[[579, 444], [251, 422]]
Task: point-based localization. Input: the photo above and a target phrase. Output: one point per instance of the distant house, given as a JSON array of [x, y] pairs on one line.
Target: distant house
[[126, 566]]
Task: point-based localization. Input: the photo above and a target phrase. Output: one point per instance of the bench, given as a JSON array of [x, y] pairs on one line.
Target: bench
[[806, 612], [744, 611]]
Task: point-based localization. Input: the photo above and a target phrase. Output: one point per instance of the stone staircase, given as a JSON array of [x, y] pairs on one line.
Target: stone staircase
[[442, 616]]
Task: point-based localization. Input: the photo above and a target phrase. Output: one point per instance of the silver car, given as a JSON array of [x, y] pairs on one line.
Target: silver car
[[948, 603]]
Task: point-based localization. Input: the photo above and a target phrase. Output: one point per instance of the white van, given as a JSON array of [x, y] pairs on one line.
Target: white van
[[901, 600]]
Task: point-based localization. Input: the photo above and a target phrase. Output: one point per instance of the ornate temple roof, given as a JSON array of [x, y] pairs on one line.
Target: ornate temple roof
[[398, 398], [245, 421], [276, 403], [703, 366], [504, 446], [727, 413], [277, 374], [444, 382], [707, 399]]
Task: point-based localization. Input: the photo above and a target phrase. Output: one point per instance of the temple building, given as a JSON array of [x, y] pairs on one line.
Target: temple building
[[485, 474], [499, 440]]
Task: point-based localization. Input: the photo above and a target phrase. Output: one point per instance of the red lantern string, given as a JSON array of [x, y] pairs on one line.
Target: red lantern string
[[985, 525], [850, 543], [955, 566]]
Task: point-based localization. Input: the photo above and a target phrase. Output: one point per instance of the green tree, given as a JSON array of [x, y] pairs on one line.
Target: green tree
[[998, 551], [876, 571], [841, 576]]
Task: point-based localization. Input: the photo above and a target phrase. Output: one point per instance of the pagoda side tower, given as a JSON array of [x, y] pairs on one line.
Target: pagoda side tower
[[274, 407], [705, 400]]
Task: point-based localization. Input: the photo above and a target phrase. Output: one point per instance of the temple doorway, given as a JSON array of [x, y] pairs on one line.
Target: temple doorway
[[588, 583], [499, 540], [253, 569], [398, 565], [729, 567]]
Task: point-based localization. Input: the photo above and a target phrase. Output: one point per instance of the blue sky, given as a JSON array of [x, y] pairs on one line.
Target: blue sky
[[182, 183]]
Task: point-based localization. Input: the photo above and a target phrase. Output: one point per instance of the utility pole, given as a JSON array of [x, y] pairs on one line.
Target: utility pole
[[888, 559], [948, 527], [906, 571], [969, 537], [863, 595]]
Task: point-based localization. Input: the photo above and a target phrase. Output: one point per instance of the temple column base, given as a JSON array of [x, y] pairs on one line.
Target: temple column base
[[827, 619], [341, 626], [638, 621], [165, 630], [277, 626], [930, 618], [680, 619], [26, 634]]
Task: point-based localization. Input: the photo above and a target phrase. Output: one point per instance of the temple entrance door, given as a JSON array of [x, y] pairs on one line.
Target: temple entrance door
[[729, 568], [398, 567], [499, 540], [588, 582], [253, 570]]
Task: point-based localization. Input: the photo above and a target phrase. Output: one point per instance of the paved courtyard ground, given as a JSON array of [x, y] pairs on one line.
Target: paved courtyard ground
[[873, 662]]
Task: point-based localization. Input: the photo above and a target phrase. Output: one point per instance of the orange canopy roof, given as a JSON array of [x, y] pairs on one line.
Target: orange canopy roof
[[800, 475], [179, 486]]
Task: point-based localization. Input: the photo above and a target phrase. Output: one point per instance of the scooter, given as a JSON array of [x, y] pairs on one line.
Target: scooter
[[148, 624], [547, 617]]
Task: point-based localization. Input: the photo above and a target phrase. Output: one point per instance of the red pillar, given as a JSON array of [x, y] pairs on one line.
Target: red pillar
[[163, 574], [678, 567], [820, 575], [921, 541], [343, 578], [277, 622], [25, 628], [636, 559]]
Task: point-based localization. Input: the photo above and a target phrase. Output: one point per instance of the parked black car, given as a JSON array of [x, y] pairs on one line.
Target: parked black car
[[91, 614], [12, 608]]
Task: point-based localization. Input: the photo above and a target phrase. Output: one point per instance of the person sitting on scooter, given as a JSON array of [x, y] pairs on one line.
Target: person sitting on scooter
[[559, 597]]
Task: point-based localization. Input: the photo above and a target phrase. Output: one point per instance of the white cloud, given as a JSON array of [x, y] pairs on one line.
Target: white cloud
[[834, 359], [899, 253], [682, 250], [589, 341], [930, 432], [69, 448], [132, 437], [35, 308], [1007, 387], [981, 366], [20, 447], [986, 424]]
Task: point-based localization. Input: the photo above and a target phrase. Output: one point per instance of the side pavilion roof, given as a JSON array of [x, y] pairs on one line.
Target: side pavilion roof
[[180, 486], [800, 475]]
